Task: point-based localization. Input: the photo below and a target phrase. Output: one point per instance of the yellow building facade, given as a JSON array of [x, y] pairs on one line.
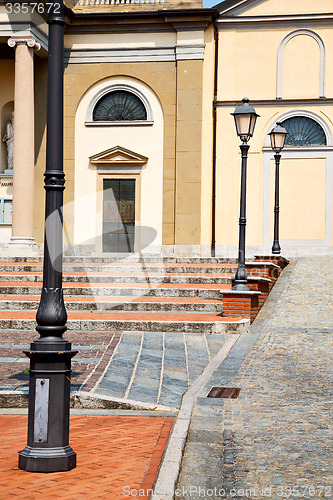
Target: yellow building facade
[[151, 155], [276, 52]]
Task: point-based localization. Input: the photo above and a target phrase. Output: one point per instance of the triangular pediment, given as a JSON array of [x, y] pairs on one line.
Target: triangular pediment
[[118, 157], [273, 7]]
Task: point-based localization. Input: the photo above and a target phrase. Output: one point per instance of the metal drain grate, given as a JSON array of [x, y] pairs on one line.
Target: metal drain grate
[[224, 392]]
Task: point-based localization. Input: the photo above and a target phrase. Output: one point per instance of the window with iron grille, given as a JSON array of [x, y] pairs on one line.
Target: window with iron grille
[[120, 106], [303, 131]]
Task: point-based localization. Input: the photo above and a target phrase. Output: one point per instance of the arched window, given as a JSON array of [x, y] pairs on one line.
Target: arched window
[[303, 131], [119, 106]]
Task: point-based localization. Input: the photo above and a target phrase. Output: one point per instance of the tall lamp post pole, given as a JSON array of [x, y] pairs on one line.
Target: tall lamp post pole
[[245, 120], [50, 356], [278, 136]]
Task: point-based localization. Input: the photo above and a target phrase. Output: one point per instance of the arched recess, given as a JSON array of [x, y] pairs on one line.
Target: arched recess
[[6, 114], [319, 40], [119, 148], [306, 192]]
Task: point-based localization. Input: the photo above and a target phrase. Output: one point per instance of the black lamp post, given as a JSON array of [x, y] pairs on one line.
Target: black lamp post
[[245, 120], [50, 356], [278, 137]]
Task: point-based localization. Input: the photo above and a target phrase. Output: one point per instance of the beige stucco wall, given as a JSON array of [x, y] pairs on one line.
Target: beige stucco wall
[[277, 7], [146, 140], [179, 90], [247, 66], [302, 215], [304, 196]]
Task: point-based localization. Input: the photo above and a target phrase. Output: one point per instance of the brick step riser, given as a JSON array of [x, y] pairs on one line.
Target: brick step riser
[[147, 326], [120, 279], [117, 306], [121, 292], [121, 270]]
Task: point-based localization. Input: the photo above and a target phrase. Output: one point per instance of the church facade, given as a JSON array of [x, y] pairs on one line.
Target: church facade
[[151, 155]]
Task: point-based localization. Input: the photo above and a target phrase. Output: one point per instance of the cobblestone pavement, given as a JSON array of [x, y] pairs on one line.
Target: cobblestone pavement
[[275, 440], [157, 367]]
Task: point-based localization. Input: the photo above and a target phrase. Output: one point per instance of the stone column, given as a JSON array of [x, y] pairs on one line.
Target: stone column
[[22, 239]]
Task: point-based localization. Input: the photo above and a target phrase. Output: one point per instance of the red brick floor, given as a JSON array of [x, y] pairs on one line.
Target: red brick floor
[[115, 455]]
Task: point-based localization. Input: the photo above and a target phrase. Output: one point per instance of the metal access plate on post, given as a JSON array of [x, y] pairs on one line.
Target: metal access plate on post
[[41, 418]]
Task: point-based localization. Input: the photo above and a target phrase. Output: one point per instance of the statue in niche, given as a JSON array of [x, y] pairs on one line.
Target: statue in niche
[[8, 138]]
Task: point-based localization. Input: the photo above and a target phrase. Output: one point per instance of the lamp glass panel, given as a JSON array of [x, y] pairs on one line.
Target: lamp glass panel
[[243, 124], [252, 124], [277, 140]]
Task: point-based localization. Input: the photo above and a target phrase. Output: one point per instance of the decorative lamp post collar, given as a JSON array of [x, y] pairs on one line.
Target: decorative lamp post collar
[[245, 120], [278, 137]]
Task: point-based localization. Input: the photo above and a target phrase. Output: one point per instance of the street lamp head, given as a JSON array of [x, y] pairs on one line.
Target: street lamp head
[[245, 120], [278, 137]]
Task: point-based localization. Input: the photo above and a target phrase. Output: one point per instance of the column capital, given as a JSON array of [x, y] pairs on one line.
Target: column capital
[[30, 41]]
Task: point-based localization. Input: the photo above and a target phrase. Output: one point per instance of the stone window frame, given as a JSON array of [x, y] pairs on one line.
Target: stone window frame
[[112, 88], [2, 211]]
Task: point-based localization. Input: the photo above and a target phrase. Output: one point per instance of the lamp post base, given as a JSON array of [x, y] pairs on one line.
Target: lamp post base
[[241, 286], [47, 459]]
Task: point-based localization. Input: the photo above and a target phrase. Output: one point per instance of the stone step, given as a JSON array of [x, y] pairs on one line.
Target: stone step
[[120, 269], [120, 278], [208, 291], [125, 258], [133, 321], [30, 303]]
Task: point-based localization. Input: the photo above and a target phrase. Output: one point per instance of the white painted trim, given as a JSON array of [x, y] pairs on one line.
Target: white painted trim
[[145, 54], [322, 48], [308, 114], [111, 88]]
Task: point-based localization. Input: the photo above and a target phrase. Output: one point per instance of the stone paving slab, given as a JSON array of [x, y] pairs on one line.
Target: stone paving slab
[[157, 367], [275, 440]]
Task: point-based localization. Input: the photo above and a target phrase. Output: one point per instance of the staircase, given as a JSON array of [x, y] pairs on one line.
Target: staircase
[[138, 294]]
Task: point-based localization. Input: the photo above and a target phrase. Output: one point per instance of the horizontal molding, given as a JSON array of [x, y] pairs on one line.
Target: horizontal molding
[[274, 18], [133, 123], [278, 102], [180, 52]]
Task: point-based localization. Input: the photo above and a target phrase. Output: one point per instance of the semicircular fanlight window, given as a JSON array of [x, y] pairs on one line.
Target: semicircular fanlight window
[[303, 131], [119, 106]]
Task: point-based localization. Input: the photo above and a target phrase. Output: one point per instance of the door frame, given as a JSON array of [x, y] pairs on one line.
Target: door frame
[[99, 207]]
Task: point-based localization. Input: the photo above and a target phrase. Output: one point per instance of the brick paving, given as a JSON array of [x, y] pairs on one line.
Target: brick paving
[[275, 440], [95, 350], [115, 455]]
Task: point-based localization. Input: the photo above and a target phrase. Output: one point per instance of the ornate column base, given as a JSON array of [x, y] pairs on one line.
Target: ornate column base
[[19, 246]]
